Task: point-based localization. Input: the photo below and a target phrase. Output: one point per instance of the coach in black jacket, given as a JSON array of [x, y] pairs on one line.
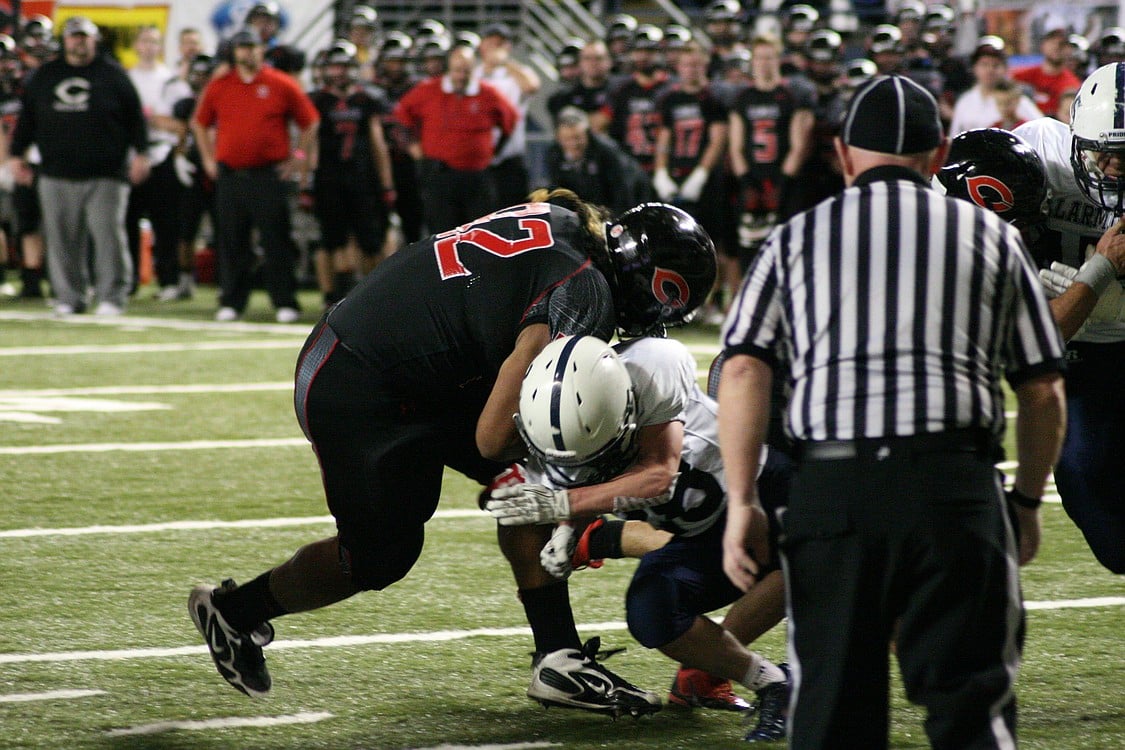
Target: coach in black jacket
[[84, 114]]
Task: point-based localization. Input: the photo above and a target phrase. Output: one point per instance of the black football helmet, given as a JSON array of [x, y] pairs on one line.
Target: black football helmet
[[662, 267], [997, 170]]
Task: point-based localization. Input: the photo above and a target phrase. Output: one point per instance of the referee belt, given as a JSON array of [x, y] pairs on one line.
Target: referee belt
[[967, 440]]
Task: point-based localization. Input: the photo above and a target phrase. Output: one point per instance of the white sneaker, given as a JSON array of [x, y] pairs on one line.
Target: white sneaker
[[62, 309], [227, 315], [108, 310], [8, 289], [287, 315], [168, 294], [574, 678]]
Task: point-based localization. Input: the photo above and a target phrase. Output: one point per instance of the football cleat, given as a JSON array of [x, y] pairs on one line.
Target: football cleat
[[581, 558], [573, 678], [694, 688], [773, 710], [237, 656]]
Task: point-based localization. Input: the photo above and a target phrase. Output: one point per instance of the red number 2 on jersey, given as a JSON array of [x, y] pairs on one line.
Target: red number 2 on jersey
[[448, 244]]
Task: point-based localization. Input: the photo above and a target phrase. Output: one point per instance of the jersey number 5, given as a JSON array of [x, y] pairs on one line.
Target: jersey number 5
[[448, 244]]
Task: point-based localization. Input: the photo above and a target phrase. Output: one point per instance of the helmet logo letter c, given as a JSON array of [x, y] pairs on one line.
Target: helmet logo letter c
[[670, 288], [1000, 199]]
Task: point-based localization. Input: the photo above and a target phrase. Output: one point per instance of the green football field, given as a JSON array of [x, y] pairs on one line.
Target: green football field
[[143, 455]]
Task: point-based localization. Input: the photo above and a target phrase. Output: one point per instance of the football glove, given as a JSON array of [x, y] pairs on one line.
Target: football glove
[[556, 555], [664, 185], [1057, 279], [692, 188], [524, 504]]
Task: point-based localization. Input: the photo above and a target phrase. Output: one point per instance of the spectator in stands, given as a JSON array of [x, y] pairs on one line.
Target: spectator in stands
[[976, 108], [517, 82], [363, 32], [453, 117], [566, 63], [189, 43], [1050, 78], [723, 24], [1007, 95], [84, 114], [158, 198], [797, 23], [590, 93], [1078, 55], [619, 32], [242, 129], [1110, 47], [592, 165]]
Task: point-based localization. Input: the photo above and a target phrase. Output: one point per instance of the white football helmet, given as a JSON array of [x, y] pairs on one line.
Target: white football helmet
[[577, 406], [1097, 124]]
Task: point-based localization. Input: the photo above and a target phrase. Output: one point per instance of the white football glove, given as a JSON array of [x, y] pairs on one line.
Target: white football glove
[[524, 504], [664, 185], [1057, 279], [693, 185], [185, 170], [556, 555]]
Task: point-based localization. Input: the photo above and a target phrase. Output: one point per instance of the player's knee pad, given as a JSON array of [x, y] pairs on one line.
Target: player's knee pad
[[653, 611], [375, 566]]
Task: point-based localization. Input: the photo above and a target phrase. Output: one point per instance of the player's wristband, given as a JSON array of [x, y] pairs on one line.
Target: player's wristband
[[1018, 498], [1097, 273]]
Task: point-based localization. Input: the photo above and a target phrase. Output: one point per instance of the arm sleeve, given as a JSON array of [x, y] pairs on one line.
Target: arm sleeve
[[579, 306], [753, 324], [205, 109], [304, 112], [663, 375]]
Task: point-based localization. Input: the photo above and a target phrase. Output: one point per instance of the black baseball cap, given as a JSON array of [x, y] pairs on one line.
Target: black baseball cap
[[80, 25], [892, 115], [498, 29]]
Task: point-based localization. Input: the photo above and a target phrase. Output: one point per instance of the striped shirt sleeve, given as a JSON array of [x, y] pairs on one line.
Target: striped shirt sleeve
[[754, 321], [1034, 344]]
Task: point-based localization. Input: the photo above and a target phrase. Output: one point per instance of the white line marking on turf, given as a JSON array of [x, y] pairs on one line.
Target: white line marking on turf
[[342, 641], [134, 323], [253, 523], [150, 390], [513, 746], [190, 445], [197, 346], [305, 717], [48, 696]]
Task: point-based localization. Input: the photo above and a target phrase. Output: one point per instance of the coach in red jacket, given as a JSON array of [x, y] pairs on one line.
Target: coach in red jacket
[[242, 128], [455, 118]]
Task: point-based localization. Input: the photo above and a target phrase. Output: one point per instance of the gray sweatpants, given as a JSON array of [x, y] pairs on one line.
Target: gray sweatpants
[[74, 212]]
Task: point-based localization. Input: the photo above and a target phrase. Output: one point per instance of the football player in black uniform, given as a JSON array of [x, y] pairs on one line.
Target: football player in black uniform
[[419, 368], [353, 188]]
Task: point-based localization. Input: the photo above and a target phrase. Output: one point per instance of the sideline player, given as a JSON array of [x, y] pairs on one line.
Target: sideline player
[[1082, 243], [419, 368], [627, 430]]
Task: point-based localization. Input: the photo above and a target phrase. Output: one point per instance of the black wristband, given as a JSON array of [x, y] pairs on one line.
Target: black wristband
[[1018, 498]]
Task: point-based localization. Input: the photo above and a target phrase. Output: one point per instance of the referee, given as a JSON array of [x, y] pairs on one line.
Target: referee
[[895, 312]]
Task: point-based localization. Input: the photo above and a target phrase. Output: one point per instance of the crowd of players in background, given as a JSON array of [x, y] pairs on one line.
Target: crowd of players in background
[[734, 124]]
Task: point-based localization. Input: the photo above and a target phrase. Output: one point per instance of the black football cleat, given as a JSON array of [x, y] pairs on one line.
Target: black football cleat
[[573, 678], [237, 656]]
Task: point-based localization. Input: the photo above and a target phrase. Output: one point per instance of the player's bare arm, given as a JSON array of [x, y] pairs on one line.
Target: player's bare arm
[[496, 433]]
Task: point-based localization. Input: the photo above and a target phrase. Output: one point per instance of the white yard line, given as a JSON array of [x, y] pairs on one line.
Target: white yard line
[[132, 323], [255, 523], [50, 695], [190, 445], [148, 390], [440, 636], [195, 346], [234, 722]]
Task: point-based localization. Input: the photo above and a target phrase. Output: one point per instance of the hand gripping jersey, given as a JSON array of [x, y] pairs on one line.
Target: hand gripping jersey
[[663, 376], [438, 318], [1074, 223]]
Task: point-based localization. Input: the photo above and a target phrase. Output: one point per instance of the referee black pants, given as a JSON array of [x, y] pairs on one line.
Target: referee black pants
[[909, 543]]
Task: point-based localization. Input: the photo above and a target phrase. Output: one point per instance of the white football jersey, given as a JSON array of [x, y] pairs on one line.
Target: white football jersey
[[663, 376], [1074, 223]]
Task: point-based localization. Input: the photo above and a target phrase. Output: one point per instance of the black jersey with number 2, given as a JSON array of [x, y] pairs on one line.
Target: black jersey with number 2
[[443, 314]]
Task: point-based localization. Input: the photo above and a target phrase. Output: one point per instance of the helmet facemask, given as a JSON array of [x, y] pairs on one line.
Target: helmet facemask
[[1097, 124]]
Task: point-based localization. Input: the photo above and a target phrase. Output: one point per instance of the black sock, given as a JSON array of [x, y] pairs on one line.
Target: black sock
[[31, 279], [605, 542], [249, 605], [551, 619], [343, 281]]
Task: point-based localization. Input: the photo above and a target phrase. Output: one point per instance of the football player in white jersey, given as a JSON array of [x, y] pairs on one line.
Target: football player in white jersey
[[1081, 252], [627, 430]]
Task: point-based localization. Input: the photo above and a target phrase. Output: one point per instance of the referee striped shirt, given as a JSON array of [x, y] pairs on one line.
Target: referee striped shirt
[[896, 311]]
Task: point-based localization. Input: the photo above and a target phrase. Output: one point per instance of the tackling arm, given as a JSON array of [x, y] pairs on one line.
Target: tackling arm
[[496, 434]]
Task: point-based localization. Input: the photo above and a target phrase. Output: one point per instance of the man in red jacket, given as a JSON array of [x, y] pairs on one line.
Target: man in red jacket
[[242, 128], [454, 118]]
